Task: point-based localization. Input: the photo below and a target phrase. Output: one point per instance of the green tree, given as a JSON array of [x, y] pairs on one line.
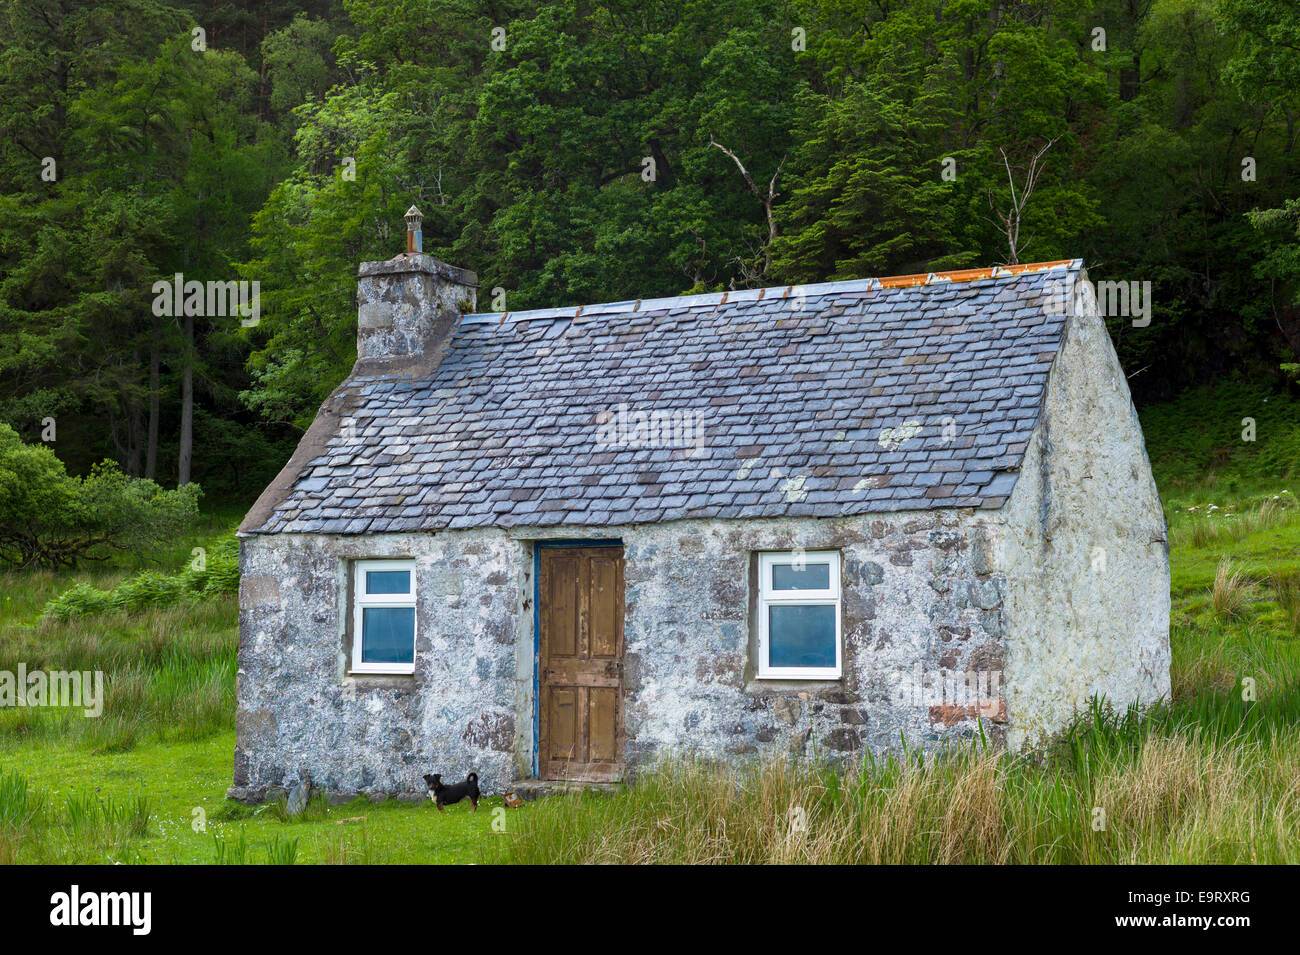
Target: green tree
[[50, 519]]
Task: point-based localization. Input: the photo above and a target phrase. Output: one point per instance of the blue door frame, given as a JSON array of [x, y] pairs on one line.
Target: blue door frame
[[538, 547]]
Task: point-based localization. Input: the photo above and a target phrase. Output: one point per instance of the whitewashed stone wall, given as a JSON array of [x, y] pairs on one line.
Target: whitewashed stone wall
[[1085, 548], [920, 594]]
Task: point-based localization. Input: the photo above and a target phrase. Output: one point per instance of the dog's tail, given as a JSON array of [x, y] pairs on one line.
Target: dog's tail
[[472, 777]]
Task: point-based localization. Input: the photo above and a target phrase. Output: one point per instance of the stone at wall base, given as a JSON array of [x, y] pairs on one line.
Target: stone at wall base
[[256, 795]]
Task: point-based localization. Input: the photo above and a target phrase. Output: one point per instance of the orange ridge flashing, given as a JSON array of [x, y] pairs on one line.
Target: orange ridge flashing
[[970, 275]]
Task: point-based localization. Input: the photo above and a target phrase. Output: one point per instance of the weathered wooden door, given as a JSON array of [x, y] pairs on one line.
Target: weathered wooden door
[[580, 678]]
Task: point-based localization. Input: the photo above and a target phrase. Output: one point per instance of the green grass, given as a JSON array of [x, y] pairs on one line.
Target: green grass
[[1197, 448], [169, 674], [1221, 631], [1209, 777], [169, 665], [190, 821], [1169, 793]]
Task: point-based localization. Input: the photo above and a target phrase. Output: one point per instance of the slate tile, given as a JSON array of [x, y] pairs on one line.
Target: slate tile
[[796, 393]]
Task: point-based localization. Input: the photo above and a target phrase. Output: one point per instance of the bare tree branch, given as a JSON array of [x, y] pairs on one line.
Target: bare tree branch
[[769, 201], [1009, 221]]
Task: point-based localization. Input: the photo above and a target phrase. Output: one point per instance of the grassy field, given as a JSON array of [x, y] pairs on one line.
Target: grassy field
[[1210, 777], [164, 802]]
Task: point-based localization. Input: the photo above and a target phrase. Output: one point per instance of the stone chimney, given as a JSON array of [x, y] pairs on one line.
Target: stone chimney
[[408, 306]]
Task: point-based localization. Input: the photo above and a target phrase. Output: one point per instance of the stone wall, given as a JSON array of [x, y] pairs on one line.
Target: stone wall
[[1086, 547], [298, 711], [921, 598], [919, 591]]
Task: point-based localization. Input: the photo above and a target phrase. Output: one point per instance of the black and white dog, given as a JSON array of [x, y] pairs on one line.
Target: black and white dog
[[443, 795]]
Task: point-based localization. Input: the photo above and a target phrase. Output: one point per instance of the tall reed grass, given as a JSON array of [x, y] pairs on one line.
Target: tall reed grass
[[168, 674], [1113, 790]]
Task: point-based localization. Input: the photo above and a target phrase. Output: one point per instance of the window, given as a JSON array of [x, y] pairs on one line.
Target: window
[[383, 617], [799, 615]]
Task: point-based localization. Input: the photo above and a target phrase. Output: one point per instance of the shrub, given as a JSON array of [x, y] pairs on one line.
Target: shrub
[[217, 574], [79, 600], [50, 519]]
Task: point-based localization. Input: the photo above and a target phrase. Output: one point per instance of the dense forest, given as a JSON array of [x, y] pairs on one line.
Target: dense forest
[[580, 151]]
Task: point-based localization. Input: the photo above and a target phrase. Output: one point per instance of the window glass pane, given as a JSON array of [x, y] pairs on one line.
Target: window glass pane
[[801, 636], [813, 577], [388, 581], [388, 635]]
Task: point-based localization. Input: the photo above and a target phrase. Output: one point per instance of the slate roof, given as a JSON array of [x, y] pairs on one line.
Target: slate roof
[[867, 398]]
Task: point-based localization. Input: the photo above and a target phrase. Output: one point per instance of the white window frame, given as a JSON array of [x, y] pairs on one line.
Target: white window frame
[[362, 600], [767, 597]]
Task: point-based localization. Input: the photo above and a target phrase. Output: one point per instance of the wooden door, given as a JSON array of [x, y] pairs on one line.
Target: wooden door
[[580, 669]]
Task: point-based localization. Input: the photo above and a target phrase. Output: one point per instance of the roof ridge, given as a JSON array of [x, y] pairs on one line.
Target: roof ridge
[[930, 400], [812, 290]]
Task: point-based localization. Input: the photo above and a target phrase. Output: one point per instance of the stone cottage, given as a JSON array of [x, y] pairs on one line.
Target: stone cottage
[[560, 543]]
